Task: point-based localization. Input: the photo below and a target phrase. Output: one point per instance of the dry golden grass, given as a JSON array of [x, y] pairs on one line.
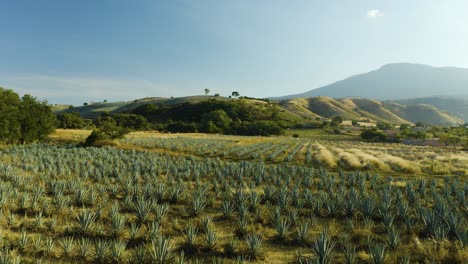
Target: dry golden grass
[[72, 135], [326, 156]]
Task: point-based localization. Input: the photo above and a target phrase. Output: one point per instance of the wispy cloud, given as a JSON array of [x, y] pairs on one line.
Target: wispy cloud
[[374, 13], [59, 89]]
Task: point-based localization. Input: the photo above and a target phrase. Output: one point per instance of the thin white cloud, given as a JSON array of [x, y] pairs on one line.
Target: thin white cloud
[[374, 13]]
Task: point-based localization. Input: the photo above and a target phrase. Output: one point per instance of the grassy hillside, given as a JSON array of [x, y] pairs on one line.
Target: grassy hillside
[[328, 107], [375, 110], [424, 113], [96, 109], [299, 110], [455, 105]]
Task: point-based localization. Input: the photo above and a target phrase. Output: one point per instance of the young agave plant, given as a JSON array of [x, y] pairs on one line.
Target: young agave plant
[[377, 253], [206, 222], [161, 251], [350, 254], [282, 228], [6, 258], [393, 238], [84, 247], [117, 225], [242, 226], [198, 204], [142, 209], [323, 247], [404, 260], [303, 232], [211, 239], [190, 234], [100, 250], [85, 221], [153, 230], [117, 249], [37, 242], [227, 208], [254, 243], [161, 211], [67, 246], [139, 255], [23, 241], [49, 245]]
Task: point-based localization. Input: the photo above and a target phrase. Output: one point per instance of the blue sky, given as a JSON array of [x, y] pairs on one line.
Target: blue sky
[[76, 51]]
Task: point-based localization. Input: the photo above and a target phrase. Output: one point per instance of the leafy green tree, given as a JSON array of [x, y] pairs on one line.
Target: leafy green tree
[[131, 121], [336, 121], [404, 127], [373, 135], [384, 126], [235, 94], [71, 120], [10, 122], [215, 121], [37, 119], [207, 91], [109, 127]]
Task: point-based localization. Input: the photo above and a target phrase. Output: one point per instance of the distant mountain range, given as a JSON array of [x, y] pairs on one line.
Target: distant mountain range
[[395, 93], [396, 81]]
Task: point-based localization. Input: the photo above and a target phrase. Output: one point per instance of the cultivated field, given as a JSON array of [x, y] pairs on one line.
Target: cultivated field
[[194, 198], [315, 150]]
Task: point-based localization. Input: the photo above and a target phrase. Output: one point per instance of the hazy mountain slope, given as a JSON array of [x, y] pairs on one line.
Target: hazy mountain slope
[[396, 81], [424, 113], [299, 106], [328, 107], [454, 105], [373, 109]]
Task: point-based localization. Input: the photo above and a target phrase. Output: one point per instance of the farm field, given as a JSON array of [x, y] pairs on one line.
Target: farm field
[[316, 151], [196, 198]]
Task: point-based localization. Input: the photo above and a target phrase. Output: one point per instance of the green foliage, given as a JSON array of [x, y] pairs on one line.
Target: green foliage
[[37, 119], [72, 120], [131, 121], [215, 121], [337, 120], [404, 127], [24, 120], [109, 127], [384, 126], [106, 129], [373, 135], [10, 116], [218, 116]]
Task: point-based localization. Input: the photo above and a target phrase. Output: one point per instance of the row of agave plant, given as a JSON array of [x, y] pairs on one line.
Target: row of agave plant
[[115, 206]]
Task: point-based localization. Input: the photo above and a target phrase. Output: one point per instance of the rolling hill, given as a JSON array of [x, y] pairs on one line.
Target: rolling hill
[[396, 81], [296, 110], [360, 108], [456, 105]]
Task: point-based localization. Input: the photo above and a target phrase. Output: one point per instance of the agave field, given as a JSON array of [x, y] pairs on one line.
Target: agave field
[[228, 200], [397, 159]]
